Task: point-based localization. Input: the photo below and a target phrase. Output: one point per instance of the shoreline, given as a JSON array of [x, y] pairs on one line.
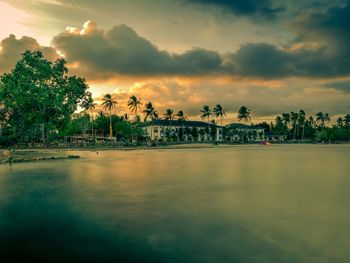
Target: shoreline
[[27, 155]]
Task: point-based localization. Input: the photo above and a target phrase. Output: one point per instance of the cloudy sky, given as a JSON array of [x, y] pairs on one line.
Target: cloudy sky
[[272, 56]]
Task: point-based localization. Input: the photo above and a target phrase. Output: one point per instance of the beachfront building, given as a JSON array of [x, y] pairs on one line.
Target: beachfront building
[[275, 137], [237, 132], [182, 131]]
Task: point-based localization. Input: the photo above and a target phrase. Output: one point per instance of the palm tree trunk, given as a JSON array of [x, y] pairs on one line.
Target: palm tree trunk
[[110, 125], [302, 136], [208, 135], [92, 125], [222, 130]]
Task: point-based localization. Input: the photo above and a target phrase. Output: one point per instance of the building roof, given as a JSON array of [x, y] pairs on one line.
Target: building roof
[[241, 126], [199, 124]]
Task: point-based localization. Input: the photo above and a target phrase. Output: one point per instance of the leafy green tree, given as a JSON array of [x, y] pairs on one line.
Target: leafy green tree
[[40, 92], [109, 103]]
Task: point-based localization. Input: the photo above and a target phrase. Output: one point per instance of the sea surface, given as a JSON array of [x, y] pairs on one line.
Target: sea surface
[[227, 204]]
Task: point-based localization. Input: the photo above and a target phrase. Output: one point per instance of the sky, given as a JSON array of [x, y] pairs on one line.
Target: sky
[[271, 56]]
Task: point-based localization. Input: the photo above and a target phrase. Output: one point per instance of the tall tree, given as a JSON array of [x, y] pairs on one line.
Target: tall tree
[[347, 121], [169, 115], [219, 112], [205, 114], [109, 103], [244, 114], [294, 120], [150, 111], [181, 116], [89, 105], [340, 122], [134, 105], [286, 121], [39, 92], [301, 122], [320, 119]]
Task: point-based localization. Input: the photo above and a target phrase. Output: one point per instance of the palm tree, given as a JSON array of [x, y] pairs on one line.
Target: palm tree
[[89, 104], [206, 112], [220, 112], [244, 114], [181, 117], [294, 119], [301, 121], [286, 120], [109, 103], [327, 118], [347, 121], [134, 105], [149, 111], [320, 119], [169, 115], [340, 122]]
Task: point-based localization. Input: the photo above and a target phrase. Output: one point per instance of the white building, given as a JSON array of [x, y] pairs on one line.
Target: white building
[[235, 132], [186, 131]]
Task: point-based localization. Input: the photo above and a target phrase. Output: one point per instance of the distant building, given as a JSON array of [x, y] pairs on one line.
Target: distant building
[[235, 132], [275, 137], [183, 131]]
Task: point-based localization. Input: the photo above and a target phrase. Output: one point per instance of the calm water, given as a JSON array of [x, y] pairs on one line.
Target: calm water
[[233, 204]]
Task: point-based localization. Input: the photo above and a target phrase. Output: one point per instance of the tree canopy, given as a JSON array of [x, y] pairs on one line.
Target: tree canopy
[[39, 93]]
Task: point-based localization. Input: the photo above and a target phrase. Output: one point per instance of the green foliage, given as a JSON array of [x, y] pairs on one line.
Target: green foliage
[[39, 92]]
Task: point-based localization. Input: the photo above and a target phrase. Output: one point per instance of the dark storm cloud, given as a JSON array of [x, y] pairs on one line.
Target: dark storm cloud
[[120, 50], [258, 8], [12, 48]]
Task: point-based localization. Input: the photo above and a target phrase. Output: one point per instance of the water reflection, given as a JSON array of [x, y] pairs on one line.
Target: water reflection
[[237, 204]]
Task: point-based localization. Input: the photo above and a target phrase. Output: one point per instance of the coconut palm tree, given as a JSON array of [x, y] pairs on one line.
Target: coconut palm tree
[[301, 121], [150, 111], [340, 122], [286, 121], [206, 113], [244, 114], [169, 115], [327, 118], [181, 116], [109, 103], [134, 105], [347, 121], [89, 104], [220, 112], [320, 119], [294, 120]]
